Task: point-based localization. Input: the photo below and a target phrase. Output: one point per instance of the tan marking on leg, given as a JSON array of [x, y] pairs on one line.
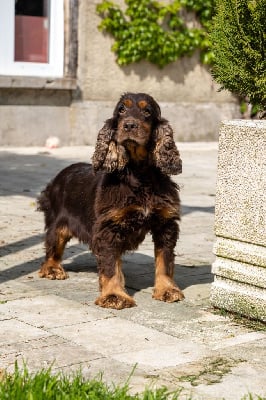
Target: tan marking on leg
[[165, 288], [113, 293], [52, 268], [63, 236]]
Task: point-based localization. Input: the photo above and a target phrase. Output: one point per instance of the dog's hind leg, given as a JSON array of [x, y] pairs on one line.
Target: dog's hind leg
[[56, 239]]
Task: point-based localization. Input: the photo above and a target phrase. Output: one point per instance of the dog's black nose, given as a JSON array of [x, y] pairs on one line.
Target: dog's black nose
[[130, 125]]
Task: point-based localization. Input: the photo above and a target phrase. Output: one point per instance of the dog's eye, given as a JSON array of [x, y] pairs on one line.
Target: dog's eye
[[146, 112], [122, 109]]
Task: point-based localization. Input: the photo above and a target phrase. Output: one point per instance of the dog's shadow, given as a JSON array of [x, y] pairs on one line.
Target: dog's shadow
[[138, 269]]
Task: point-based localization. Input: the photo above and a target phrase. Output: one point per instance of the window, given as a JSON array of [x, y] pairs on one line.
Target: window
[[32, 37]]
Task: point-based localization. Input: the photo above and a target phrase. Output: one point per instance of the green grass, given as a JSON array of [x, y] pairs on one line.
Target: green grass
[[45, 385]]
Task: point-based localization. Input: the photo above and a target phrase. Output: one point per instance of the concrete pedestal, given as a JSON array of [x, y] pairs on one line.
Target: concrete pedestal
[[240, 214]]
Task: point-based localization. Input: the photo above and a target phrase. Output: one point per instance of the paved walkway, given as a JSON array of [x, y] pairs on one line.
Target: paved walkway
[[182, 345]]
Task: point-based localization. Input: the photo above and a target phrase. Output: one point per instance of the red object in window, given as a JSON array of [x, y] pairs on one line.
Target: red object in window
[[31, 39]]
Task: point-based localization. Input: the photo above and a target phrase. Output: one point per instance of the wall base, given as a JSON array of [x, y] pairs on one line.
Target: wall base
[[246, 300], [79, 122], [190, 121]]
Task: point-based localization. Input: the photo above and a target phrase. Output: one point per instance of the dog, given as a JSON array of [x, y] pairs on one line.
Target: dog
[[112, 204]]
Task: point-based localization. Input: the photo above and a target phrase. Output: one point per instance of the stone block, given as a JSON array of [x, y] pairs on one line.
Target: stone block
[[241, 182], [240, 213]]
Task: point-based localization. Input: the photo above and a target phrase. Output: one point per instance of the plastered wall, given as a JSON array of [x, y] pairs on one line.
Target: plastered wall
[[185, 90]]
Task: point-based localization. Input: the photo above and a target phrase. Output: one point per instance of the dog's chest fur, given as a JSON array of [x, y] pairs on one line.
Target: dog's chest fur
[[138, 198]]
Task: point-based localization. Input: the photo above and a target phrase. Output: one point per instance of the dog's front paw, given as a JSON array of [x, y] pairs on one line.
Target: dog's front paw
[[52, 271], [169, 294], [116, 301]]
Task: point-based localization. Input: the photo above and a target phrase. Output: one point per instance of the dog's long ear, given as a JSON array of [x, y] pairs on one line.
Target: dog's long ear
[[165, 153], [108, 155]]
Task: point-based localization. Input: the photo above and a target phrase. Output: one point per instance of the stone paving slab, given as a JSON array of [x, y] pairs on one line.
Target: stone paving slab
[[182, 345]]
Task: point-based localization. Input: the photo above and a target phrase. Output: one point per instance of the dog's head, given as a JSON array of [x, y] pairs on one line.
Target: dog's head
[[136, 133]]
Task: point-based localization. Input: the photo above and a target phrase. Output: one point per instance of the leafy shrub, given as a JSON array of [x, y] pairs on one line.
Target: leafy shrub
[[238, 39]]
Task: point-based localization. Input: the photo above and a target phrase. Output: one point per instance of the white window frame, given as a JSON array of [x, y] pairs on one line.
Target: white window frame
[[55, 66]]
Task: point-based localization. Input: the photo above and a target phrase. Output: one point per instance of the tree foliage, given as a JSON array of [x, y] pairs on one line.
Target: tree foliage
[[238, 39]]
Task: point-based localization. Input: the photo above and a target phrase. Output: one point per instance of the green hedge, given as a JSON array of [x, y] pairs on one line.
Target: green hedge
[[238, 39]]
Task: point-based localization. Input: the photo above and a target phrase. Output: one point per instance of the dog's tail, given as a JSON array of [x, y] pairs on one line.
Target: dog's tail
[[44, 205]]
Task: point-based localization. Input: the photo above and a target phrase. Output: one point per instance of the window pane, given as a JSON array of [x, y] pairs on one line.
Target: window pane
[[32, 31]]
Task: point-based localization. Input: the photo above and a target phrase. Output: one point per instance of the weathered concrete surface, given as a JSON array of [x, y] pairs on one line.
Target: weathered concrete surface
[[240, 220], [182, 345]]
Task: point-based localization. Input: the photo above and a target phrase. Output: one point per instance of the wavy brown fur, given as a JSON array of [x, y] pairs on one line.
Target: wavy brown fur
[[112, 204]]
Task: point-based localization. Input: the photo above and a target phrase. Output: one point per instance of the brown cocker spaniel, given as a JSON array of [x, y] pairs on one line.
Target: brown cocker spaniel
[[112, 204]]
